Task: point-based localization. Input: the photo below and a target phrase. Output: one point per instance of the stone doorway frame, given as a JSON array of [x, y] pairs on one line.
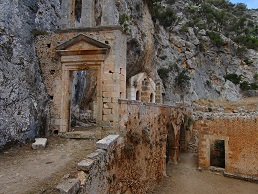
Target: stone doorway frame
[[75, 60]]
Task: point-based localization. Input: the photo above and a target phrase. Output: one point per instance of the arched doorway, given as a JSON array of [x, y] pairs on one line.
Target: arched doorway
[[171, 144]]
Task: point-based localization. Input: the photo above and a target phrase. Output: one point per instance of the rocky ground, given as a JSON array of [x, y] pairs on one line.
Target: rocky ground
[[24, 170], [185, 177]]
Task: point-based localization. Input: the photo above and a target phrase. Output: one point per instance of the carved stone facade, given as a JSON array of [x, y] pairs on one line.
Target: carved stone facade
[[141, 87], [100, 49]]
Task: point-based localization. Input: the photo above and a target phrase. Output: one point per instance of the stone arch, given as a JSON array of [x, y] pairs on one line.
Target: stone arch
[[151, 97], [137, 95], [145, 85], [171, 146]]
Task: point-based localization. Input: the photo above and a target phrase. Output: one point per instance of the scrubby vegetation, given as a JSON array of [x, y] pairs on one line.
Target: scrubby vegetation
[[244, 85], [164, 14], [215, 16]]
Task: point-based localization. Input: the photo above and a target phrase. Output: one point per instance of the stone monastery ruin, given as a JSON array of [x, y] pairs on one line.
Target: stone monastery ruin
[[139, 132]]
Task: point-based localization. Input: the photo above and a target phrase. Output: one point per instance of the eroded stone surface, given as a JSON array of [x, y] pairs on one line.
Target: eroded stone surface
[[40, 143], [69, 186], [85, 164], [107, 142]]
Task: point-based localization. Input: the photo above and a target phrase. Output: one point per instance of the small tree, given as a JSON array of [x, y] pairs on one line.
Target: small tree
[[182, 82]]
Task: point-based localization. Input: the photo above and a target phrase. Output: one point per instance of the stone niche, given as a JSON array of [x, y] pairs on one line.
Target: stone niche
[[101, 50], [142, 88]]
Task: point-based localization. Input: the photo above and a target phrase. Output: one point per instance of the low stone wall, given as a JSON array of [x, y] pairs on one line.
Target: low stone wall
[[135, 160], [240, 135]]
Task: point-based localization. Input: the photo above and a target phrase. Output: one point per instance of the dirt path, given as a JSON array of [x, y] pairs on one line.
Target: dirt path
[[23, 170], [184, 178]]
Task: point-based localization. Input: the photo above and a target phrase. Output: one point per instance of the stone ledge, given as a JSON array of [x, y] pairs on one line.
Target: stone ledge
[[96, 154], [242, 177], [107, 142], [69, 186], [91, 29], [40, 143]]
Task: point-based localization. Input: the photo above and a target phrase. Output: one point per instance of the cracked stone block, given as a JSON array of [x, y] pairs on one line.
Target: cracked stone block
[[107, 142], [40, 143], [85, 164], [69, 186]]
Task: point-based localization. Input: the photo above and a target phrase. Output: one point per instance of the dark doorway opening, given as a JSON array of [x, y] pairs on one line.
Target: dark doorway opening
[[217, 153], [83, 99], [137, 95], [170, 146], [78, 10]]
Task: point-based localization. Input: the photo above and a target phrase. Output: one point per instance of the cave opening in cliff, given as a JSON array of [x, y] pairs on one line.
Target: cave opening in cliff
[[217, 153], [83, 99]]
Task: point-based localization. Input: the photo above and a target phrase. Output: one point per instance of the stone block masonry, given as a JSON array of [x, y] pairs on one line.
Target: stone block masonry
[[240, 135]]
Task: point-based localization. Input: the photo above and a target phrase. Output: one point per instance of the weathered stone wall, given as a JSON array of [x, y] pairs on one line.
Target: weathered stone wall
[[241, 143], [137, 162], [113, 70]]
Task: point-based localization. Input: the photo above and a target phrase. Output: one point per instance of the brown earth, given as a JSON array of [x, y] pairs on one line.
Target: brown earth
[[185, 178], [24, 170]]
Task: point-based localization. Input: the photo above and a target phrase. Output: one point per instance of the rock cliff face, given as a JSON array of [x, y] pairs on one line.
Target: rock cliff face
[[23, 100], [190, 64], [172, 48]]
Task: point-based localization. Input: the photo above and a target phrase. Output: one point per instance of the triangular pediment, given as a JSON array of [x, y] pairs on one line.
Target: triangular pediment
[[82, 43]]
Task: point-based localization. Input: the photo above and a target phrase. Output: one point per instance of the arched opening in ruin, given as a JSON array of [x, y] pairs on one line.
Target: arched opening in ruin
[[171, 144], [83, 99], [78, 10], [137, 95], [151, 97], [217, 153], [182, 139]]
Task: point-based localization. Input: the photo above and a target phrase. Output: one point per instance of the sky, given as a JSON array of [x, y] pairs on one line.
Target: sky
[[251, 4]]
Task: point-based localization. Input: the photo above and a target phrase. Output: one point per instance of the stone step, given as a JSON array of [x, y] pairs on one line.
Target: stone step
[[88, 128], [79, 135]]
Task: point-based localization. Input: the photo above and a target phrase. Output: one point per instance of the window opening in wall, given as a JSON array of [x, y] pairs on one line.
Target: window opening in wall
[[217, 153], [83, 100], [137, 95], [151, 97], [78, 10]]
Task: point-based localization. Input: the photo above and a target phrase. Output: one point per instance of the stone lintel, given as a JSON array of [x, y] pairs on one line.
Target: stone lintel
[[92, 29], [69, 186], [107, 142]]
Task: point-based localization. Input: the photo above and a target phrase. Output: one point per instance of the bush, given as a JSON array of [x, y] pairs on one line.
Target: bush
[[163, 74], [216, 39], [256, 76], [182, 79], [124, 21], [241, 51], [254, 86], [245, 86], [234, 78], [166, 16]]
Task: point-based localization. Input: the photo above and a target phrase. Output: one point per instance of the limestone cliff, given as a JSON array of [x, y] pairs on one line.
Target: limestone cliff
[[23, 100], [179, 43]]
